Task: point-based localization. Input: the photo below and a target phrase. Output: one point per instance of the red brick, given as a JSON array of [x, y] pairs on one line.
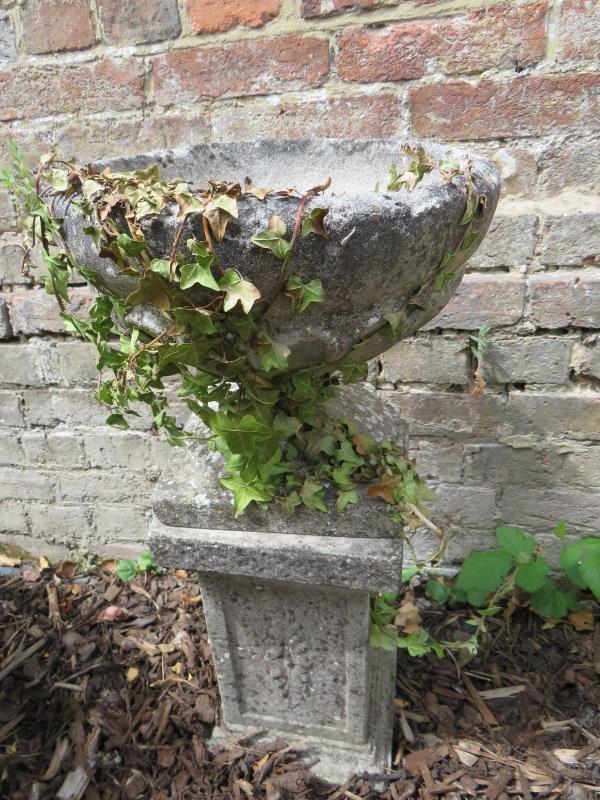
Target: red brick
[[501, 36], [248, 67], [324, 8], [490, 109], [359, 117], [50, 26], [138, 20], [579, 36], [36, 91], [566, 299], [211, 16]]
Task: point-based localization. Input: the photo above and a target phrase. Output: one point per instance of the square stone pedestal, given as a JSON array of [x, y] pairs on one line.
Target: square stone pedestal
[[287, 606]]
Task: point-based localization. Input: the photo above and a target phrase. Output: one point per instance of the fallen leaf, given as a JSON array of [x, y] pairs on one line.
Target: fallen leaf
[[408, 618], [181, 573], [582, 620], [468, 751], [385, 488], [112, 614], [109, 565], [43, 562], [9, 561], [131, 674], [66, 570], [31, 574]]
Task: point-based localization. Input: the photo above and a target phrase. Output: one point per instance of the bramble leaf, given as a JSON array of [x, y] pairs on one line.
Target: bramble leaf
[[483, 572], [516, 542]]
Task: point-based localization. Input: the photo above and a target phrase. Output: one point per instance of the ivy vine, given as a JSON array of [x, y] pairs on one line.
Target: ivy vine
[[271, 425]]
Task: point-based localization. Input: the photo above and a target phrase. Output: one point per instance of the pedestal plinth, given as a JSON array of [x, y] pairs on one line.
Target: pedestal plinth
[[287, 604]]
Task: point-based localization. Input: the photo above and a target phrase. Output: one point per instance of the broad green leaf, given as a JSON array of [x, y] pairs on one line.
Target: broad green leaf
[[408, 573], [437, 591], [238, 290], [552, 603], [394, 319], [314, 222], [126, 569], [532, 576], [312, 494], [272, 238], [226, 202], [560, 531], [198, 322], [151, 289], [590, 572], [483, 572], [347, 453], [305, 293], [574, 555], [379, 637], [194, 273], [516, 542], [146, 562], [117, 421]]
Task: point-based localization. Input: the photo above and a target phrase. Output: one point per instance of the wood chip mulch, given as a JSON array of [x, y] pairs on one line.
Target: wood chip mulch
[[108, 692]]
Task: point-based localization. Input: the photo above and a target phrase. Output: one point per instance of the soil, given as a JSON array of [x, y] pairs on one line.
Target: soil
[[108, 692]]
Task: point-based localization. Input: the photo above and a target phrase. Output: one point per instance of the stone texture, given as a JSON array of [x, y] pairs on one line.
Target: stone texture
[[7, 214], [541, 360], [6, 331], [212, 16], [413, 233], [502, 36], [35, 311], [570, 415], [138, 21], [11, 261], [69, 525], [11, 412], [25, 485], [50, 26], [579, 37], [483, 300], [510, 242], [585, 358], [565, 299], [540, 509], [419, 360], [571, 239], [324, 8], [8, 47], [245, 67]]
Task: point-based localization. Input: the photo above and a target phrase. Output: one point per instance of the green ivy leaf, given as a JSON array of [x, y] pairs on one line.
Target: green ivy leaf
[[132, 247], [162, 266], [314, 222], [245, 493], [275, 358], [313, 495], [238, 290], [272, 238], [117, 421], [346, 498], [516, 542], [304, 294], [347, 453], [532, 576], [483, 572], [197, 272]]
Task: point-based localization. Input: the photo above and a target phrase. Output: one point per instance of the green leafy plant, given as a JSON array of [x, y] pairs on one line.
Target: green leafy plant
[[128, 568]]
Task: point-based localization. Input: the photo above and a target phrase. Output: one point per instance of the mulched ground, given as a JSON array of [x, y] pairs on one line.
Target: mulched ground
[[107, 691]]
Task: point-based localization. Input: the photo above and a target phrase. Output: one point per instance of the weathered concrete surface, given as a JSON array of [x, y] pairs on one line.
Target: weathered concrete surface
[[406, 234], [287, 602]]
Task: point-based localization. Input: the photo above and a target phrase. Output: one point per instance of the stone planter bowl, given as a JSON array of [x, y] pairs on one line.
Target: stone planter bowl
[[384, 249]]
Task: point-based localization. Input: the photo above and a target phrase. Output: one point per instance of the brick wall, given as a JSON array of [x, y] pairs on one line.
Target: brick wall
[[518, 80]]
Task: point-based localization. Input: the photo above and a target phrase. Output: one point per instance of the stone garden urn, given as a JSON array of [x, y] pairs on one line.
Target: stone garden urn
[[287, 598]]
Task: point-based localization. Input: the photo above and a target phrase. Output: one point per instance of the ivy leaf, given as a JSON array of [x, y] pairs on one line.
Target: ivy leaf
[[198, 321], [385, 488], [132, 247], [197, 272], [245, 493], [532, 576], [275, 358], [225, 202], [290, 503], [238, 290], [151, 289], [516, 542], [348, 454], [162, 266], [272, 238], [314, 222], [352, 371], [437, 591], [90, 188], [117, 421], [345, 498], [304, 294], [394, 319], [312, 494], [483, 572]]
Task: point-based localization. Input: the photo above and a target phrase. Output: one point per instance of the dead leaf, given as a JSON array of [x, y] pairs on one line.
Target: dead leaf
[[408, 618], [112, 614], [181, 573], [131, 674], [66, 570], [468, 752], [582, 620], [9, 561], [385, 488], [109, 565], [43, 562]]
